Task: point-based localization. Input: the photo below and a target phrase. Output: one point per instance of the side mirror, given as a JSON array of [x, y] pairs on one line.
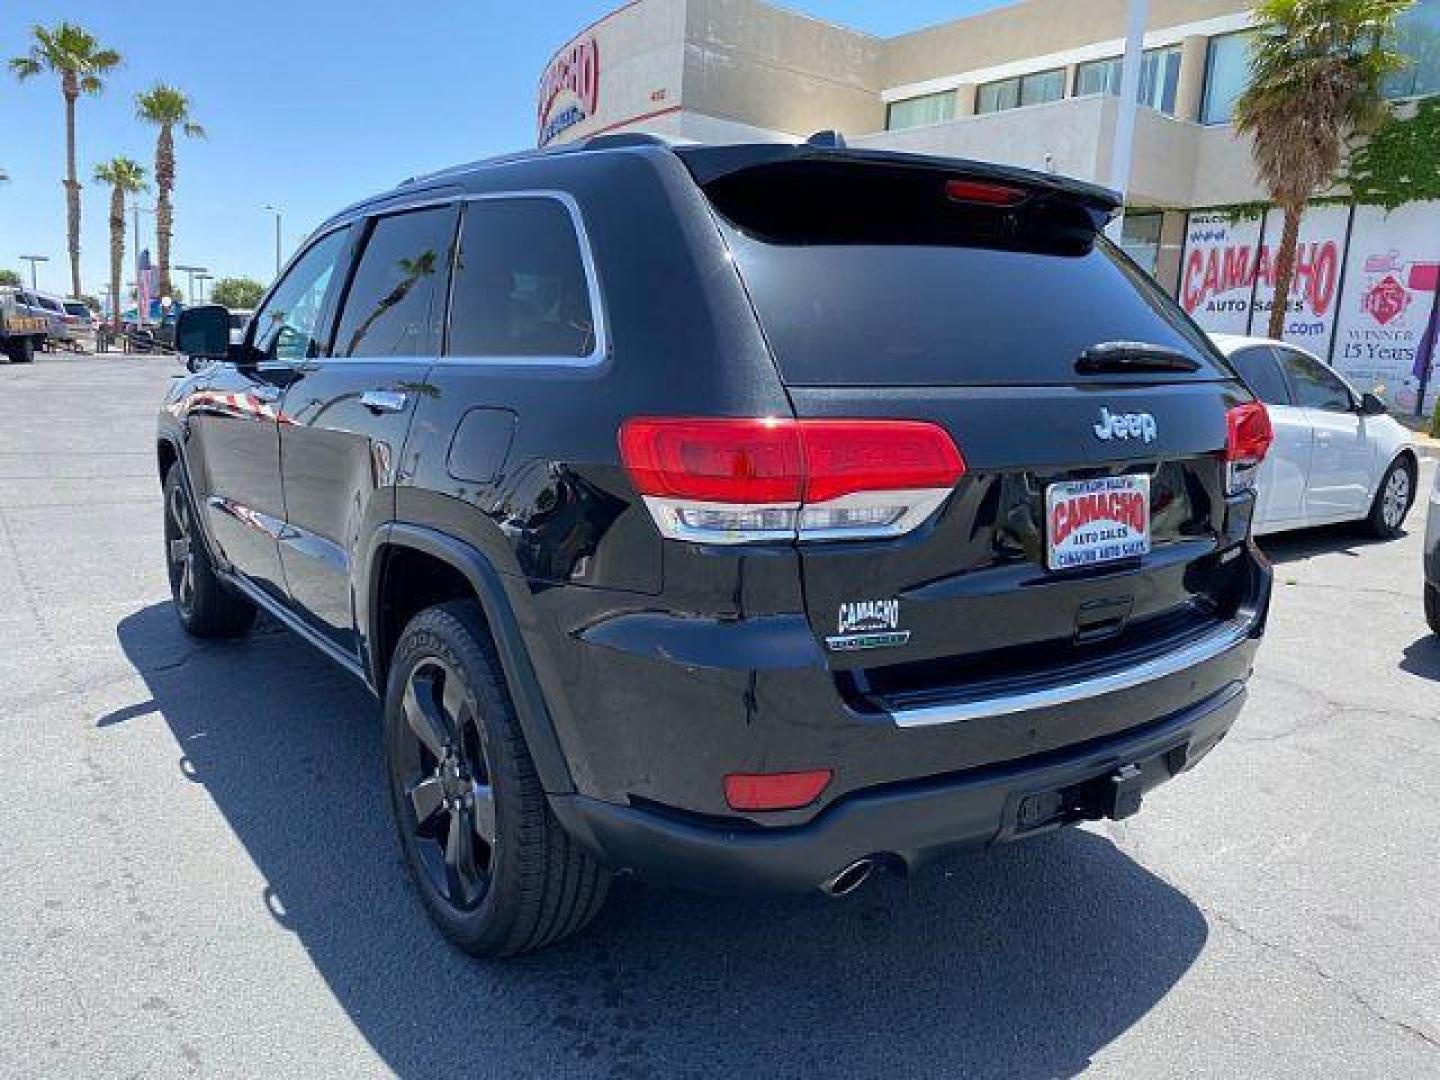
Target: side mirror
[[1371, 404], [203, 333]]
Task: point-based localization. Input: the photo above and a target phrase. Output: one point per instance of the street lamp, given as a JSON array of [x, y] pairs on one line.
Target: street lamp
[[202, 279], [190, 272], [276, 211], [32, 260]]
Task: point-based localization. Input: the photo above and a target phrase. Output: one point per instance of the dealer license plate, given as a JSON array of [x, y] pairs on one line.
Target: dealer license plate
[[1088, 522]]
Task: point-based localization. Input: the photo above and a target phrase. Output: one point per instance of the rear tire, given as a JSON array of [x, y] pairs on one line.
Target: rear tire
[[495, 869], [1432, 607], [206, 606], [1393, 499], [21, 350]]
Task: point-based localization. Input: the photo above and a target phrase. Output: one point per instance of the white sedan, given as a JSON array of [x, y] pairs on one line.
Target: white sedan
[[1337, 455]]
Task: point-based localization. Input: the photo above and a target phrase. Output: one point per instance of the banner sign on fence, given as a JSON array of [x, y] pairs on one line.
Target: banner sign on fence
[[1391, 275]]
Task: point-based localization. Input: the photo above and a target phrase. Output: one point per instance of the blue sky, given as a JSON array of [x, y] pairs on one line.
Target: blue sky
[[309, 104]]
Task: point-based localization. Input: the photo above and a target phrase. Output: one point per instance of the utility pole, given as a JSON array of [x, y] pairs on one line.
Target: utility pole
[[202, 279], [276, 211], [190, 272], [32, 260], [1122, 151]]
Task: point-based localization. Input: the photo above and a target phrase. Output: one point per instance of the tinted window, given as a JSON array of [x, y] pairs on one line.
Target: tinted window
[[1261, 372], [390, 309], [919, 111], [1313, 385], [520, 286], [287, 326], [921, 290]]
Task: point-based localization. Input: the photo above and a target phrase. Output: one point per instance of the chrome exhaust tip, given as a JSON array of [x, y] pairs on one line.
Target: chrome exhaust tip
[[848, 880]]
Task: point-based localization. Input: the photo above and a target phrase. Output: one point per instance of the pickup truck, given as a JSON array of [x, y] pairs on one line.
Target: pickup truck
[[21, 331]]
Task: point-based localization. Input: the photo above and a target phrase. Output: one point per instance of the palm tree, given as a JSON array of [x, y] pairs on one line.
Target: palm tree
[[1317, 69], [167, 108], [72, 53], [125, 177]]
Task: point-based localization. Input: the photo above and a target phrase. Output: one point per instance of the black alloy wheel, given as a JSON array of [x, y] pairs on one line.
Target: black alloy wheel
[[449, 802]]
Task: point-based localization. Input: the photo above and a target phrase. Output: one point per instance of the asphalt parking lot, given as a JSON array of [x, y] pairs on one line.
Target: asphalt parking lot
[[198, 872]]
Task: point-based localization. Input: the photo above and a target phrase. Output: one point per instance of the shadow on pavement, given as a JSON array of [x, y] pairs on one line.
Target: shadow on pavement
[[1347, 539], [1423, 658], [1022, 962]]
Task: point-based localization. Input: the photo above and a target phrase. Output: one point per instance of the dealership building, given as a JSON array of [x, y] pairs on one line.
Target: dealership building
[[1035, 84]]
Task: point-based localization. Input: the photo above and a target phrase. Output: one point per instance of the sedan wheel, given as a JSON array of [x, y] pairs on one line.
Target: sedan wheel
[[1393, 499]]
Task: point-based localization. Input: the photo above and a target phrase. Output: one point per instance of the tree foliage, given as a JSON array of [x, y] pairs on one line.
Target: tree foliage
[[10, 277], [167, 108], [1317, 72], [72, 53], [237, 292], [1401, 162]]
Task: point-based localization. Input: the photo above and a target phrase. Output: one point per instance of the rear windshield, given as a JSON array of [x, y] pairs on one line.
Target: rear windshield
[[878, 283], [78, 309]]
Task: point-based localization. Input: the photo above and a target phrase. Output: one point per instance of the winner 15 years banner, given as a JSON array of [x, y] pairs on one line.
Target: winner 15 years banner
[[1392, 273]]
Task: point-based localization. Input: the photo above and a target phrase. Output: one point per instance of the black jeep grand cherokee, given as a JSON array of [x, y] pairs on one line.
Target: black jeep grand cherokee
[[743, 517]]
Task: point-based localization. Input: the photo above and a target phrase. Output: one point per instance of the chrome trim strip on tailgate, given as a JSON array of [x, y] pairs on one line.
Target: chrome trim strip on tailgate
[[1218, 641]]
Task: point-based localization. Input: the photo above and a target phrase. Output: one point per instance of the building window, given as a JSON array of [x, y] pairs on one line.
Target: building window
[[1159, 78], [920, 111], [1034, 89], [1419, 40], [1227, 70]]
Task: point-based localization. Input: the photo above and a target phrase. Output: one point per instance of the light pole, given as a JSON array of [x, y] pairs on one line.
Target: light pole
[[32, 260], [202, 279], [276, 211], [190, 272], [1122, 151]]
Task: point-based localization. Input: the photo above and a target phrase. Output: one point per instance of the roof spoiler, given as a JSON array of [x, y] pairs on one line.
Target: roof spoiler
[[708, 164]]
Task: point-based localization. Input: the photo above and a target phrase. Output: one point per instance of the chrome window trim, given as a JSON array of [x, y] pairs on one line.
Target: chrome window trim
[[601, 351], [1218, 641]]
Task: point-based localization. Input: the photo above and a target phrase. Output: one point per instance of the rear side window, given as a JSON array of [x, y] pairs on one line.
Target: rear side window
[[1261, 372], [884, 279], [1315, 386], [520, 286], [391, 307]]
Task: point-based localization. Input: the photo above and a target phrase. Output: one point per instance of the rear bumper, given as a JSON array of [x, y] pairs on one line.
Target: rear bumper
[[907, 823]]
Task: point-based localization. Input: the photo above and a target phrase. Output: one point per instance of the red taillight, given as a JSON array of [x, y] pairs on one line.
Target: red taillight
[[775, 791], [843, 457], [1248, 438], [1249, 433], [978, 191], [741, 480], [714, 460]]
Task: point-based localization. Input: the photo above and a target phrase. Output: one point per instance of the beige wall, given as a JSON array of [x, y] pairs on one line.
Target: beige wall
[[775, 69], [1032, 28]]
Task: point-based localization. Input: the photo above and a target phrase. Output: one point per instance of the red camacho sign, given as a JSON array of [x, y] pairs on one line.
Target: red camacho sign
[[1129, 509], [569, 89]]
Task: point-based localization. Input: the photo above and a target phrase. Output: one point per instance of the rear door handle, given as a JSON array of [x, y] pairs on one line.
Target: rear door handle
[[385, 401]]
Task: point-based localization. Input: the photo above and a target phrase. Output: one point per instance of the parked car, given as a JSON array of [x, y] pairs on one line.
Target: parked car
[[64, 325], [239, 320], [86, 319], [736, 516], [1338, 456], [33, 305]]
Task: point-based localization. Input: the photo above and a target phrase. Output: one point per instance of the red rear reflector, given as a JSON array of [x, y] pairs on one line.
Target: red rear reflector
[[774, 791], [978, 191], [1249, 433]]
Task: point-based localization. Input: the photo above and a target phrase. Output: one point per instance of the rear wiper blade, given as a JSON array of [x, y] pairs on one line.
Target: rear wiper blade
[[1133, 356]]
